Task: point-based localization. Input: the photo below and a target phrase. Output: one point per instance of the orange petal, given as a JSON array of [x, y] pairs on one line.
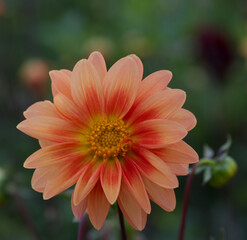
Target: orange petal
[[40, 177], [89, 177], [131, 210], [39, 109], [63, 177], [139, 65], [70, 110], [50, 129], [120, 87], [157, 133], [78, 210], [160, 105], [55, 154], [180, 169], [44, 143], [151, 167], [155, 82], [179, 152], [185, 118], [86, 88], [110, 178], [61, 82], [98, 61], [133, 182], [98, 206], [165, 198]]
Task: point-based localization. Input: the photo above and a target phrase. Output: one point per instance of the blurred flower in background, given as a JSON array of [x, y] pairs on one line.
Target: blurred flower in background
[[216, 51], [34, 75], [2, 8]]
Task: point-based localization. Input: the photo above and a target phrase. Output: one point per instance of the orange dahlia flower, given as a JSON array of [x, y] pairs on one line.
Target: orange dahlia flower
[[116, 137]]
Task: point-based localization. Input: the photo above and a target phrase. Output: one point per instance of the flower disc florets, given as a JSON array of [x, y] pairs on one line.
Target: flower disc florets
[[109, 139]]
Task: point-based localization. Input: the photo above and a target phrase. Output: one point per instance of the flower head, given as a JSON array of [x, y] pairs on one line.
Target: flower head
[[116, 137]]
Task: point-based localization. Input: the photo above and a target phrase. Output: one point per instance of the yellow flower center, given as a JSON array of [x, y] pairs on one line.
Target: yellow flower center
[[109, 139]]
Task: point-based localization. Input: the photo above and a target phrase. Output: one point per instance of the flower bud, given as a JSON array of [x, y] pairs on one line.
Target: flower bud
[[223, 171]]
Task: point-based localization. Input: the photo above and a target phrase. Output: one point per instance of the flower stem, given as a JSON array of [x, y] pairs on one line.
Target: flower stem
[[121, 221], [186, 202], [82, 230]]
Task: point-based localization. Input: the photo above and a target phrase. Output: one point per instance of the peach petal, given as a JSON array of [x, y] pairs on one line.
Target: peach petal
[[55, 154], [134, 184], [98, 206], [39, 109], [179, 152], [120, 87], [157, 163], [64, 177], [110, 177], [80, 209], [139, 65], [180, 169], [154, 83], [185, 118], [152, 173], [98, 61], [157, 133], [165, 198], [86, 88], [40, 177], [44, 143], [160, 105], [50, 129], [61, 82], [70, 110], [131, 210], [89, 177]]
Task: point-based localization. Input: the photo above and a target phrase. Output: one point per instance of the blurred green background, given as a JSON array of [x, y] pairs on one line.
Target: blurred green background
[[204, 44]]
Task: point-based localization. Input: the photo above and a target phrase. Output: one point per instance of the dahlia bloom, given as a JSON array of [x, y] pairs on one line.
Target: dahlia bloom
[[116, 137]]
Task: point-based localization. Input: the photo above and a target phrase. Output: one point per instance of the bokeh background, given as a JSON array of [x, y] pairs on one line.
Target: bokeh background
[[204, 44]]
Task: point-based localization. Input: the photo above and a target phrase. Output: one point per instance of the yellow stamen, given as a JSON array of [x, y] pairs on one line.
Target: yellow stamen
[[109, 139]]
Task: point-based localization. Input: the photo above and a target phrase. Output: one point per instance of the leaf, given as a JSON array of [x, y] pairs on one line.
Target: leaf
[[225, 147], [207, 174], [208, 152]]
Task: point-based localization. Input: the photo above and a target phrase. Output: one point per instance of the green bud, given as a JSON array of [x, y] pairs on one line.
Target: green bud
[[223, 171]]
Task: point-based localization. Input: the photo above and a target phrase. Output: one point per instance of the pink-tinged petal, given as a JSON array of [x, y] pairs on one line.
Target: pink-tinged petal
[[89, 177], [165, 198], [86, 88], [134, 184], [39, 109], [80, 209], [55, 154], [98, 61], [154, 83], [50, 129], [44, 143], [157, 133], [61, 82], [40, 177], [151, 169], [70, 110], [153, 174], [139, 65], [185, 118], [131, 210], [180, 169], [98, 206], [179, 152], [120, 87], [157, 163], [110, 177], [160, 105], [63, 178]]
